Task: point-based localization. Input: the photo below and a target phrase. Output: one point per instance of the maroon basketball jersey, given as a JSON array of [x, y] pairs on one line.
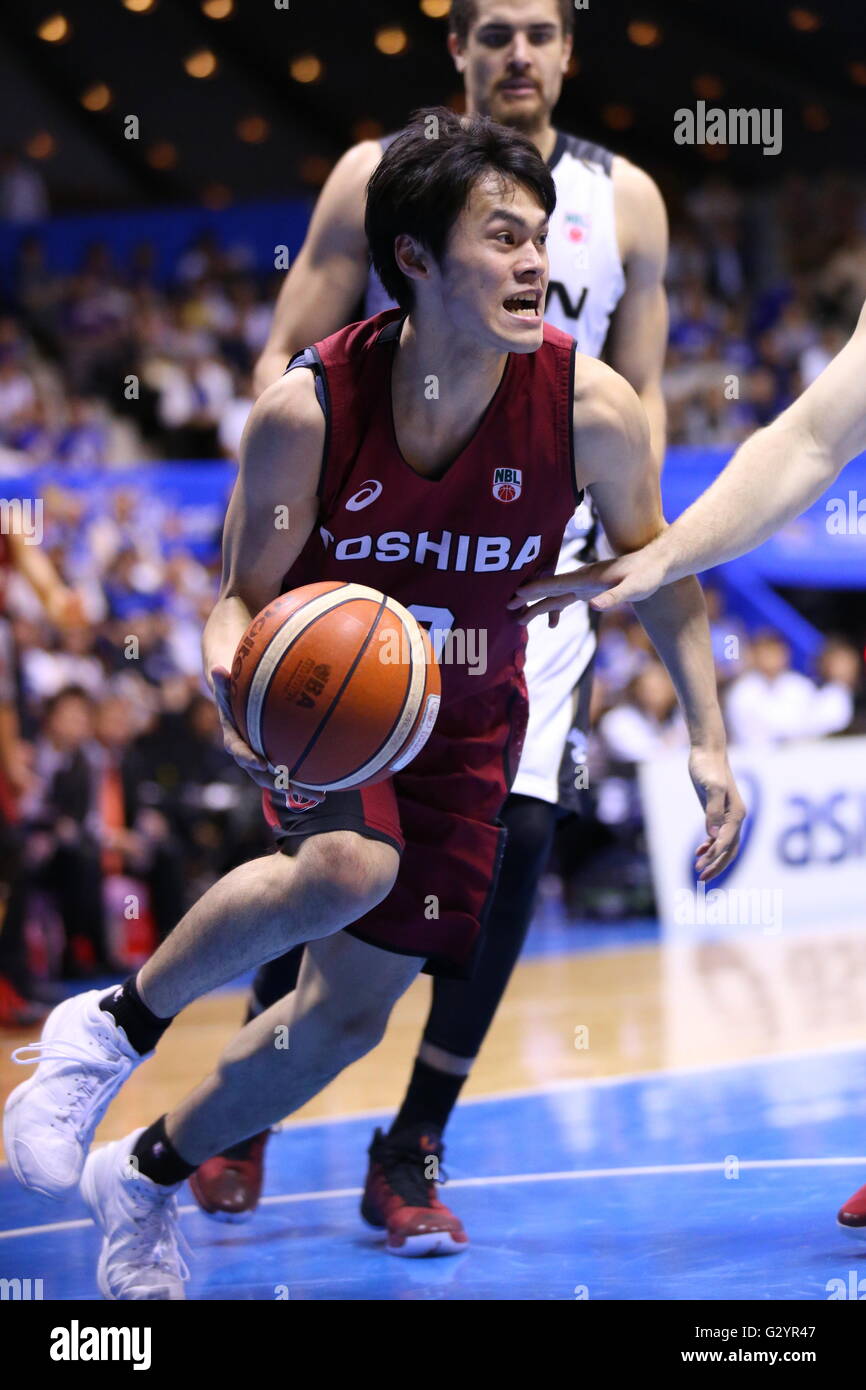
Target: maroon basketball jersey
[[451, 549]]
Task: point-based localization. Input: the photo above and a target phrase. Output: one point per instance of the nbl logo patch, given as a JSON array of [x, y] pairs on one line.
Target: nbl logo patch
[[507, 484]]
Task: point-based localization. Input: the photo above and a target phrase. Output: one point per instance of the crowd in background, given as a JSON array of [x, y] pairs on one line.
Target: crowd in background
[[126, 796], [764, 290]]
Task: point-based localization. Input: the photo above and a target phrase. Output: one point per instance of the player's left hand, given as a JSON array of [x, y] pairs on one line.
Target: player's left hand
[[714, 783]]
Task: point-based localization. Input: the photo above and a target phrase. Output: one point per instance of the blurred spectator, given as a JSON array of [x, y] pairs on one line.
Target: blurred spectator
[[647, 722], [64, 839], [770, 702], [840, 672], [23, 195]]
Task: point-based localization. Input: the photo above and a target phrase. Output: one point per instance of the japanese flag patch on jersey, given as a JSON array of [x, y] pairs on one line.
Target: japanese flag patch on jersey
[[507, 484]]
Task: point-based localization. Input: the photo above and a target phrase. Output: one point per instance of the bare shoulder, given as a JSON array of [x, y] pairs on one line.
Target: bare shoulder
[[640, 208], [601, 394], [611, 430], [351, 174], [286, 426], [290, 404], [634, 187]]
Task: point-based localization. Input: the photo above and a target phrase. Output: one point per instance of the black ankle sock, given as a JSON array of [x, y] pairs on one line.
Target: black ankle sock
[[130, 1012], [431, 1097], [158, 1159]]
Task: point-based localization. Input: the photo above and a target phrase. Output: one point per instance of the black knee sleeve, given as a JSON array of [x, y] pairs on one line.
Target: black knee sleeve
[[463, 1010]]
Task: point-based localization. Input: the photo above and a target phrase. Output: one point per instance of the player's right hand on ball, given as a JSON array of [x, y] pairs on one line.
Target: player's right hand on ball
[[262, 773]]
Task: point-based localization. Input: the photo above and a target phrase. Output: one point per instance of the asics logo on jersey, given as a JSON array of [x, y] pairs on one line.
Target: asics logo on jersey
[[442, 550], [367, 493]]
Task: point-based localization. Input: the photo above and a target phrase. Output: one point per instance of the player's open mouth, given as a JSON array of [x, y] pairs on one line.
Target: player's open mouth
[[523, 306]]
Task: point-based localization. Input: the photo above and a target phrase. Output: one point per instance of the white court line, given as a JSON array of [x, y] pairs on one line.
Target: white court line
[[502, 1180]]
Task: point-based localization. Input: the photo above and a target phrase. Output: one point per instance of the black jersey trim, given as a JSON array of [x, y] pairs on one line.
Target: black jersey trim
[[391, 332], [311, 359], [584, 150], [572, 364], [558, 150]]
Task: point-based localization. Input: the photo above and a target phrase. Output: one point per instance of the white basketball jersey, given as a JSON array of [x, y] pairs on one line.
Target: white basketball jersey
[[587, 279]]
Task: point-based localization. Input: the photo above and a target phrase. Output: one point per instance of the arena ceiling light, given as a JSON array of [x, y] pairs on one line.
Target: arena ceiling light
[[201, 64], [391, 41], [42, 145], [306, 68], [253, 129], [807, 21], [707, 86], [162, 155], [97, 98], [644, 33], [54, 29]]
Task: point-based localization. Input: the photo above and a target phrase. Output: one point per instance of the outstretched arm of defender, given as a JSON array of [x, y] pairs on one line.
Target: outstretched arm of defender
[[327, 280], [777, 474], [272, 511]]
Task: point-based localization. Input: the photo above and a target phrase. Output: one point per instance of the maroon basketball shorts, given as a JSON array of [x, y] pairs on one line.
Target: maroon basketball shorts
[[442, 816]]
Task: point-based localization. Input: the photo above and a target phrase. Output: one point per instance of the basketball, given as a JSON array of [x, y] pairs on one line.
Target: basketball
[[337, 683]]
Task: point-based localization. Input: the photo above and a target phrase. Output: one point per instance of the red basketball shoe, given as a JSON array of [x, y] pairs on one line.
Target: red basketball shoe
[[400, 1195], [228, 1187], [16, 1012], [852, 1216]]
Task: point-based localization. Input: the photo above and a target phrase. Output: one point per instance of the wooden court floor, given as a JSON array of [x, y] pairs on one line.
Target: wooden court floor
[[569, 1015]]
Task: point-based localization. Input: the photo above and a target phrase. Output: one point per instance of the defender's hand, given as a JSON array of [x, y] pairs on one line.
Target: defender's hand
[[606, 583], [725, 811]]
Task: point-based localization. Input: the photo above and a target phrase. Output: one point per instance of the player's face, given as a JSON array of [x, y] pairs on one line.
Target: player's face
[[493, 278], [514, 61]]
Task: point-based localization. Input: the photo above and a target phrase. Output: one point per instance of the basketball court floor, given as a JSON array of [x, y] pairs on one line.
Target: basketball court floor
[[648, 1121]]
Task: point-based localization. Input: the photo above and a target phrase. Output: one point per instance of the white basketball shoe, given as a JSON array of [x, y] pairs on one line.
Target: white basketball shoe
[[82, 1061], [141, 1248]]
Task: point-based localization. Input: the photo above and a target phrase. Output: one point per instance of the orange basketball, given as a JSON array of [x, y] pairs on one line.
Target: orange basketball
[[337, 683]]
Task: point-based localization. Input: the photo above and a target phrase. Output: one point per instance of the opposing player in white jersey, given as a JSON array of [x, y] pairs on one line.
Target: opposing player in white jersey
[[776, 475], [607, 248]]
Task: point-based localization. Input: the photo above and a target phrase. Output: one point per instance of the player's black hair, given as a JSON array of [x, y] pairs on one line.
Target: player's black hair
[[464, 13], [424, 179]]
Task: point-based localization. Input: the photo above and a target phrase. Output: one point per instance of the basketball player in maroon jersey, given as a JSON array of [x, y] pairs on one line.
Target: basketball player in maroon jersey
[[457, 227], [607, 252]]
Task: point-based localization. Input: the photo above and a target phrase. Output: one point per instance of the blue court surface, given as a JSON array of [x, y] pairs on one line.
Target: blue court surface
[[714, 1184]]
